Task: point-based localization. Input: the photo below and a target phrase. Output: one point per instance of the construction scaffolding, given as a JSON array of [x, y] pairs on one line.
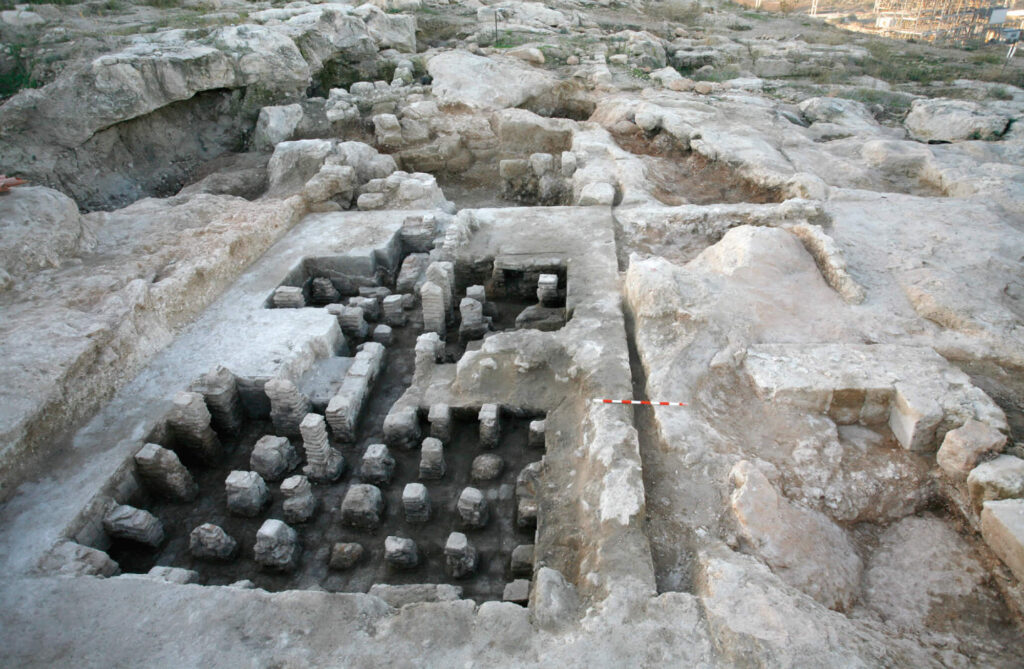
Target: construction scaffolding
[[935, 20]]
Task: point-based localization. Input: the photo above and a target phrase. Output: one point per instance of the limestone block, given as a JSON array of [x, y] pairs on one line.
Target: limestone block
[[965, 446], [352, 322], [127, 522], [162, 472], [382, 334], [211, 542], [913, 417], [536, 435], [537, 317], [300, 502], [175, 575], [401, 552], [432, 465], [402, 428], [394, 312], [429, 351], [440, 418], [272, 457], [412, 273], [342, 412], [418, 233], [442, 273], [568, 164], [517, 592], [288, 406], [323, 463], [459, 555], [277, 546], [432, 303], [377, 466], [247, 494], [490, 425], [598, 193], [473, 325], [486, 467], [527, 485], [363, 506], [190, 421], [324, 291], [69, 558], [554, 602], [477, 293], [1001, 478], [521, 562], [416, 503], [219, 388], [547, 290], [369, 305], [289, 297], [1002, 526], [345, 555], [473, 508]]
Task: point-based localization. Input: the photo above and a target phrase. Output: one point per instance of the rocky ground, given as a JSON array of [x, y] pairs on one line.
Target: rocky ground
[[813, 238]]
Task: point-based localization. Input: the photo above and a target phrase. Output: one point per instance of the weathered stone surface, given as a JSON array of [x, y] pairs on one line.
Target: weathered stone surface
[[287, 406], [1002, 526], [517, 592], [521, 561], [162, 472], [536, 435], [440, 418], [803, 547], [300, 503], [69, 558], [323, 462], [965, 446], [554, 602], [272, 457], [277, 546], [485, 83], [127, 522], [460, 556], [527, 487], [247, 494], [363, 506], [402, 428], [220, 389], [943, 120], [401, 552], [416, 503], [175, 575], [398, 596], [190, 420], [490, 425], [345, 555], [1001, 478], [211, 542]]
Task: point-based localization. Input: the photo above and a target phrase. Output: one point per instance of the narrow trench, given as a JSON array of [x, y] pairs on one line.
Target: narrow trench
[[667, 532]]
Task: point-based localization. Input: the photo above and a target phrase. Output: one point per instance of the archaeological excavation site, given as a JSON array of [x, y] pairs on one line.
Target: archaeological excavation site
[[632, 333]]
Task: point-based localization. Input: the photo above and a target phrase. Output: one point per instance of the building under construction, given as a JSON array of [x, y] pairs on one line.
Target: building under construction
[[938, 20]]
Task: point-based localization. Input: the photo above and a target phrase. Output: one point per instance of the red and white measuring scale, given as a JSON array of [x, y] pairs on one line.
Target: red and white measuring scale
[[657, 404]]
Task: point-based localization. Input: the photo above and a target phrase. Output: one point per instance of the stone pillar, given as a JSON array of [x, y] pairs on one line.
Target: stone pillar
[[401, 553], [323, 463], [272, 457], [369, 305], [440, 417], [377, 466], [353, 323], [547, 290], [432, 303], [473, 325], [277, 546], [459, 555], [289, 297], [443, 274], [299, 502], [324, 291], [418, 233], [219, 388], [247, 494], [521, 562], [432, 465], [535, 439], [490, 425], [416, 503], [190, 422], [343, 411], [382, 334], [162, 472], [127, 522], [472, 508], [394, 310], [402, 428], [410, 275], [363, 506], [287, 406], [477, 293], [211, 542], [527, 485], [429, 351]]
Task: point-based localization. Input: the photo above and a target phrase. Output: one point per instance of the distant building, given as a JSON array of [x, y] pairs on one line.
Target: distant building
[[939, 20]]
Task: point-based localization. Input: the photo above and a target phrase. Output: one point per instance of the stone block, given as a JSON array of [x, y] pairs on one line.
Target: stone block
[[272, 457], [300, 502], [486, 467], [323, 291], [490, 425], [459, 555], [1001, 478], [190, 422], [432, 465], [402, 428], [547, 290], [323, 463], [127, 522], [473, 508], [416, 503], [1002, 527], [289, 297], [432, 303], [527, 485], [382, 334], [162, 473], [277, 546], [363, 506], [211, 542], [521, 562], [369, 305], [440, 419], [352, 322], [401, 552], [287, 406], [219, 388], [345, 555], [175, 575], [394, 310], [517, 592], [965, 446], [377, 466], [477, 293], [247, 494], [536, 435]]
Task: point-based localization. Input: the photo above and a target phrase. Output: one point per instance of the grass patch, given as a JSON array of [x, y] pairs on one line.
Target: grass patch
[[508, 39], [20, 76]]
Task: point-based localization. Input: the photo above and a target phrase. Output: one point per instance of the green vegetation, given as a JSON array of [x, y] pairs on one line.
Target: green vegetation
[[508, 39], [637, 73], [677, 11], [739, 26], [20, 76]]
